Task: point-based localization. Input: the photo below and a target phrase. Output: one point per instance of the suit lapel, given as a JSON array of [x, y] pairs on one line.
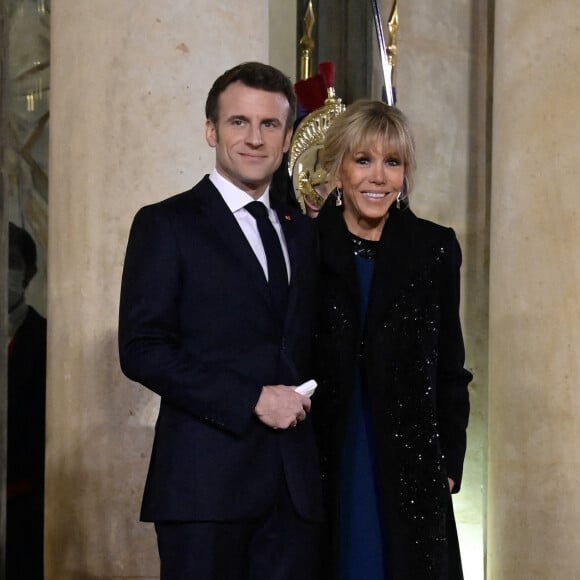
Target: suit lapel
[[236, 244], [227, 229]]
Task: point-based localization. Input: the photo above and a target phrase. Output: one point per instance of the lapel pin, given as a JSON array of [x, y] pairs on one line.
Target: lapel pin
[[288, 218]]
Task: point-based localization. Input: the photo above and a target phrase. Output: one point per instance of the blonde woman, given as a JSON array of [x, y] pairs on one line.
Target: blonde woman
[[392, 404]]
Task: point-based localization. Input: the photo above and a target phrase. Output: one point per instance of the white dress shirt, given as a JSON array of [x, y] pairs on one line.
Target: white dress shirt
[[236, 200]]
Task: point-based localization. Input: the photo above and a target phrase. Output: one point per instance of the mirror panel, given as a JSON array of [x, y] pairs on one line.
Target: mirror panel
[[25, 122]]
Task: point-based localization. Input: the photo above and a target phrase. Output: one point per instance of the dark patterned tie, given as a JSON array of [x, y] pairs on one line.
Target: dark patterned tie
[[277, 273]]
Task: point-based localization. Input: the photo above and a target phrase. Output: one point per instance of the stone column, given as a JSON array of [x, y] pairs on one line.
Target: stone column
[[534, 404], [129, 81]]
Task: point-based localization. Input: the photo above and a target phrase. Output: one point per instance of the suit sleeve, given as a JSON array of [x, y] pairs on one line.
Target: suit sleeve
[[453, 378], [150, 344]]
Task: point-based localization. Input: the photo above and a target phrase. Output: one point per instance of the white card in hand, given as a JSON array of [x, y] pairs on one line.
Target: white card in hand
[[307, 388]]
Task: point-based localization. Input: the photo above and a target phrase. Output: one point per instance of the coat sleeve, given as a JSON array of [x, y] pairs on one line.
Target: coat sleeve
[[452, 377], [151, 348]]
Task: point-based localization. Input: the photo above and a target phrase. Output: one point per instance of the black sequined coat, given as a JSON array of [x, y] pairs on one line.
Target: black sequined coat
[[410, 354]]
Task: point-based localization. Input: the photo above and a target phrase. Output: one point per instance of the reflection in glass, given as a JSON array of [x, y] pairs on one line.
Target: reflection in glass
[[25, 166], [25, 416], [26, 154]]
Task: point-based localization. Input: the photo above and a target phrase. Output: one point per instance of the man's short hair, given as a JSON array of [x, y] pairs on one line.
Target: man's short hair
[[257, 76]]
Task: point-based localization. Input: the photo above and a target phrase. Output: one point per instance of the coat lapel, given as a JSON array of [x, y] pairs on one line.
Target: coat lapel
[[227, 230], [397, 263], [336, 248]]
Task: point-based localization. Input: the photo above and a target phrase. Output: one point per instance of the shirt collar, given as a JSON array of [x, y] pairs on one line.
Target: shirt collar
[[234, 197]]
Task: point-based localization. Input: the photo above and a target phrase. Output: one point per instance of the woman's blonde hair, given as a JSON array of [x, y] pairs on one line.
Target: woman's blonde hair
[[360, 126]]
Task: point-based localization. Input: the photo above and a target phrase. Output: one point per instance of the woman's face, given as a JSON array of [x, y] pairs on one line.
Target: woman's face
[[371, 178]]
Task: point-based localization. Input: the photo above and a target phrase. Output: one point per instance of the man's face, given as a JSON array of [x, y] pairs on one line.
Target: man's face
[[250, 136]]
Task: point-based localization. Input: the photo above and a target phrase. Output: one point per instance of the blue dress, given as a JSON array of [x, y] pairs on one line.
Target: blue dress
[[361, 540]]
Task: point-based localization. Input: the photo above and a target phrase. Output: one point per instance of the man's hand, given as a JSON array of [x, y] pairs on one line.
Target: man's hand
[[280, 406]]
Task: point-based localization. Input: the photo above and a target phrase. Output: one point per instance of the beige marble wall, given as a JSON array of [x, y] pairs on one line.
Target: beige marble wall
[[129, 81], [283, 36], [534, 429]]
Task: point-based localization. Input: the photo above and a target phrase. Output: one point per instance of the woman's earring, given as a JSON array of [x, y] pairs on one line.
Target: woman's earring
[[338, 197], [402, 195]]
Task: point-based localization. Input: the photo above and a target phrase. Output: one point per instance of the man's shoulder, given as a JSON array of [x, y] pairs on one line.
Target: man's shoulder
[[180, 203], [35, 319], [32, 332], [287, 211], [304, 226], [195, 193]]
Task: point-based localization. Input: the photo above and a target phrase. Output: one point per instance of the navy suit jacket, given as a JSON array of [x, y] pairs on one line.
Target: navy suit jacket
[[196, 326]]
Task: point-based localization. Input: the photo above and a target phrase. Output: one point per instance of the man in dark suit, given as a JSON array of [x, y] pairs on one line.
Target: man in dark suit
[[221, 330], [26, 410]]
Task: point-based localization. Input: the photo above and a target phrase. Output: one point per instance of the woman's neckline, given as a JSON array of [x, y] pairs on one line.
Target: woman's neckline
[[364, 248]]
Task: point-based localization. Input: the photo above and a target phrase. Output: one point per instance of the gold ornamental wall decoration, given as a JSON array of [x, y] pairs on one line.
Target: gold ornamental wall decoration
[[317, 95]]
